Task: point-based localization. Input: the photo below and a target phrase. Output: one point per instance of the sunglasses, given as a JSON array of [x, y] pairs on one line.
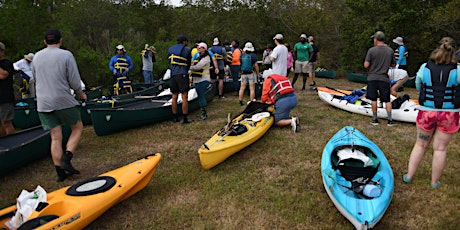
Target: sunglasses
[[120, 49]]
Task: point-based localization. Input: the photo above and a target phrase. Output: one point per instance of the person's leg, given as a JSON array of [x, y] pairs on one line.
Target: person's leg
[[252, 91], [221, 87], [296, 75], [6, 128], [241, 93], [56, 145], [304, 80], [440, 143], [185, 108], [418, 151], [75, 137]]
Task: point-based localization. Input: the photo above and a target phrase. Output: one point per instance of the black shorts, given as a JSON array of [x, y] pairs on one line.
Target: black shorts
[[179, 83], [378, 89]]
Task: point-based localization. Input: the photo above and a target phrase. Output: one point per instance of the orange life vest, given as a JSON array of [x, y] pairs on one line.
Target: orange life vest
[[275, 86]]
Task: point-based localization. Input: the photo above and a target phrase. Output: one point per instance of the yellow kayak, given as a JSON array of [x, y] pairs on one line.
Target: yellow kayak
[[76, 206], [239, 133]]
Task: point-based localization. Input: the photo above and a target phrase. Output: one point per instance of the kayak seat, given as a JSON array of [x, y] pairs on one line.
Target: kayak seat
[[351, 169], [37, 222], [237, 129], [91, 186]]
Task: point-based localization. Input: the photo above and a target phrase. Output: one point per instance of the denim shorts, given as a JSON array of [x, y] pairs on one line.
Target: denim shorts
[[283, 107]]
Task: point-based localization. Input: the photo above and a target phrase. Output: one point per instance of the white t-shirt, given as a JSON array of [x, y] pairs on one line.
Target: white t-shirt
[[25, 66], [280, 54]]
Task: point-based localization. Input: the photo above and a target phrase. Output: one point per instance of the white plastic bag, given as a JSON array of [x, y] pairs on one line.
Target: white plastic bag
[[26, 203]]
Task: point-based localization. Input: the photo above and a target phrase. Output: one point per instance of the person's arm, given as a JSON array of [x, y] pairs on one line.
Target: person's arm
[[130, 63], [419, 77], [367, 64], [3, 73], [216, 66]]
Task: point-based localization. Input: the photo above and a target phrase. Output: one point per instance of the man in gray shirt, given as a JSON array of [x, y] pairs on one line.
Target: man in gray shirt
[[56, 72], [378, 60]]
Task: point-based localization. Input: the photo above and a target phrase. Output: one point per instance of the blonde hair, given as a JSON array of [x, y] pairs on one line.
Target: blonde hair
[[445, 52]]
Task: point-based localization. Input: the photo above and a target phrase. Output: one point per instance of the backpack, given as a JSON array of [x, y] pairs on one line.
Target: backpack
[[246, 63]]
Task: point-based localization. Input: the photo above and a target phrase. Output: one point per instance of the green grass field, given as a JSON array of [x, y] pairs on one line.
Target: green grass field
[[273, 184]]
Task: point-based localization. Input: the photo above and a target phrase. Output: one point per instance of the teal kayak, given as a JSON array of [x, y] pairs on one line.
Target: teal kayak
[[357, 177]]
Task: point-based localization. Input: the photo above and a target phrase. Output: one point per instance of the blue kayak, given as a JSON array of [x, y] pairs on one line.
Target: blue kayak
[[357, 177]]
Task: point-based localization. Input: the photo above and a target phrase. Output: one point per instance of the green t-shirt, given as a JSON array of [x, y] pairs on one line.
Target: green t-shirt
[[303, 51]]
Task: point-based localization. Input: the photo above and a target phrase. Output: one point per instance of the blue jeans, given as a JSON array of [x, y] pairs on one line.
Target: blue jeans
[[235, 72], [201, 88], [283, 107], [148, 76]]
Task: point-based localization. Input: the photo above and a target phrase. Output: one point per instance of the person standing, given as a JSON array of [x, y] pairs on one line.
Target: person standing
[[24, 69], [400, 54], [235, 66], [302, 53], [120, 65], [279, 56], [179, 60], [220, 55], [55, 72], [266, 57], [438, 81], [248, 66], [290, 60], [277, 90], [200, 72], [6, 94], [314, 60], [379, 59], [148, 57]]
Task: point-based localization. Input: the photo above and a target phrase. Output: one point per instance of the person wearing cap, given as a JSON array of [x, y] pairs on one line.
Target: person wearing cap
[[148, 57], [302, 53], [220, 55], [55, 72], [235, 66], [248, 58], [400, 53], [279, 56], [314, 60], [179, 60], [266, 57], [378, 59], [120, 64], [200, 71], [6, 94], [24, 70]]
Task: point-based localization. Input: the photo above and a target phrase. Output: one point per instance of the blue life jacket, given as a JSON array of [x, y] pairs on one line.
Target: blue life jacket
[[439, 87], [218, 53]]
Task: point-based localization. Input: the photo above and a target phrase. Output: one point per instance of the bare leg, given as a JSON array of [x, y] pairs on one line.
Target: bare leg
[[418, 151], [304, 79], [75, 137], [221, 87], [174, 103], [6, 127], [184, 103], [56, 145], [296, 75], [252, 91], [312, 77], [440, 143], [241, 93]]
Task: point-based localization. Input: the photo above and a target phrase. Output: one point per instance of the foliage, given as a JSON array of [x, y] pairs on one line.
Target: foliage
[[91, 28]]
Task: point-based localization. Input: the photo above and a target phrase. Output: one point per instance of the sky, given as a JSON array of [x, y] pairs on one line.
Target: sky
[[173, 2]]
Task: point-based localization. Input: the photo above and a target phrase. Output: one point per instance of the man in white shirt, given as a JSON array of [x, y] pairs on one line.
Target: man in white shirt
[[279, 56], [24, 67]]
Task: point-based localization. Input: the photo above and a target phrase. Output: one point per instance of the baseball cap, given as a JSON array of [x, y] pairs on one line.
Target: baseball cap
[[379, 35], [278, 37], [2, 46], [303, 36], [52, 36], [310, 38], [182, 38], [248, 47]]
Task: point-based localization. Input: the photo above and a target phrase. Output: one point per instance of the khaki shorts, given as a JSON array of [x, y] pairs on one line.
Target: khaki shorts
[[248, 78], [69, 116], [301, 67], [311, 67]]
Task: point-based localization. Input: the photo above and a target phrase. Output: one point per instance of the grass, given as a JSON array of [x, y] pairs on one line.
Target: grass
[[273, 184]]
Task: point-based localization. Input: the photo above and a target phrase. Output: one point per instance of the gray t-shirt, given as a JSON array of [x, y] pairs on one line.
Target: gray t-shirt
[[380, 57], [55, 72]]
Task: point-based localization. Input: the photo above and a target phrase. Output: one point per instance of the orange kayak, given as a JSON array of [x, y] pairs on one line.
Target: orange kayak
[[76, 206]]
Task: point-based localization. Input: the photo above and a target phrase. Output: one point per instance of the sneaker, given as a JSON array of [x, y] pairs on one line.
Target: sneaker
[[203, 117], [374, 122], [66, 165], [435, 186], [297, 124], [221, 96], [294, 124], [391, 123], [406, 180], [176, 119], [241, 103], [313, 84], [187, 121]]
